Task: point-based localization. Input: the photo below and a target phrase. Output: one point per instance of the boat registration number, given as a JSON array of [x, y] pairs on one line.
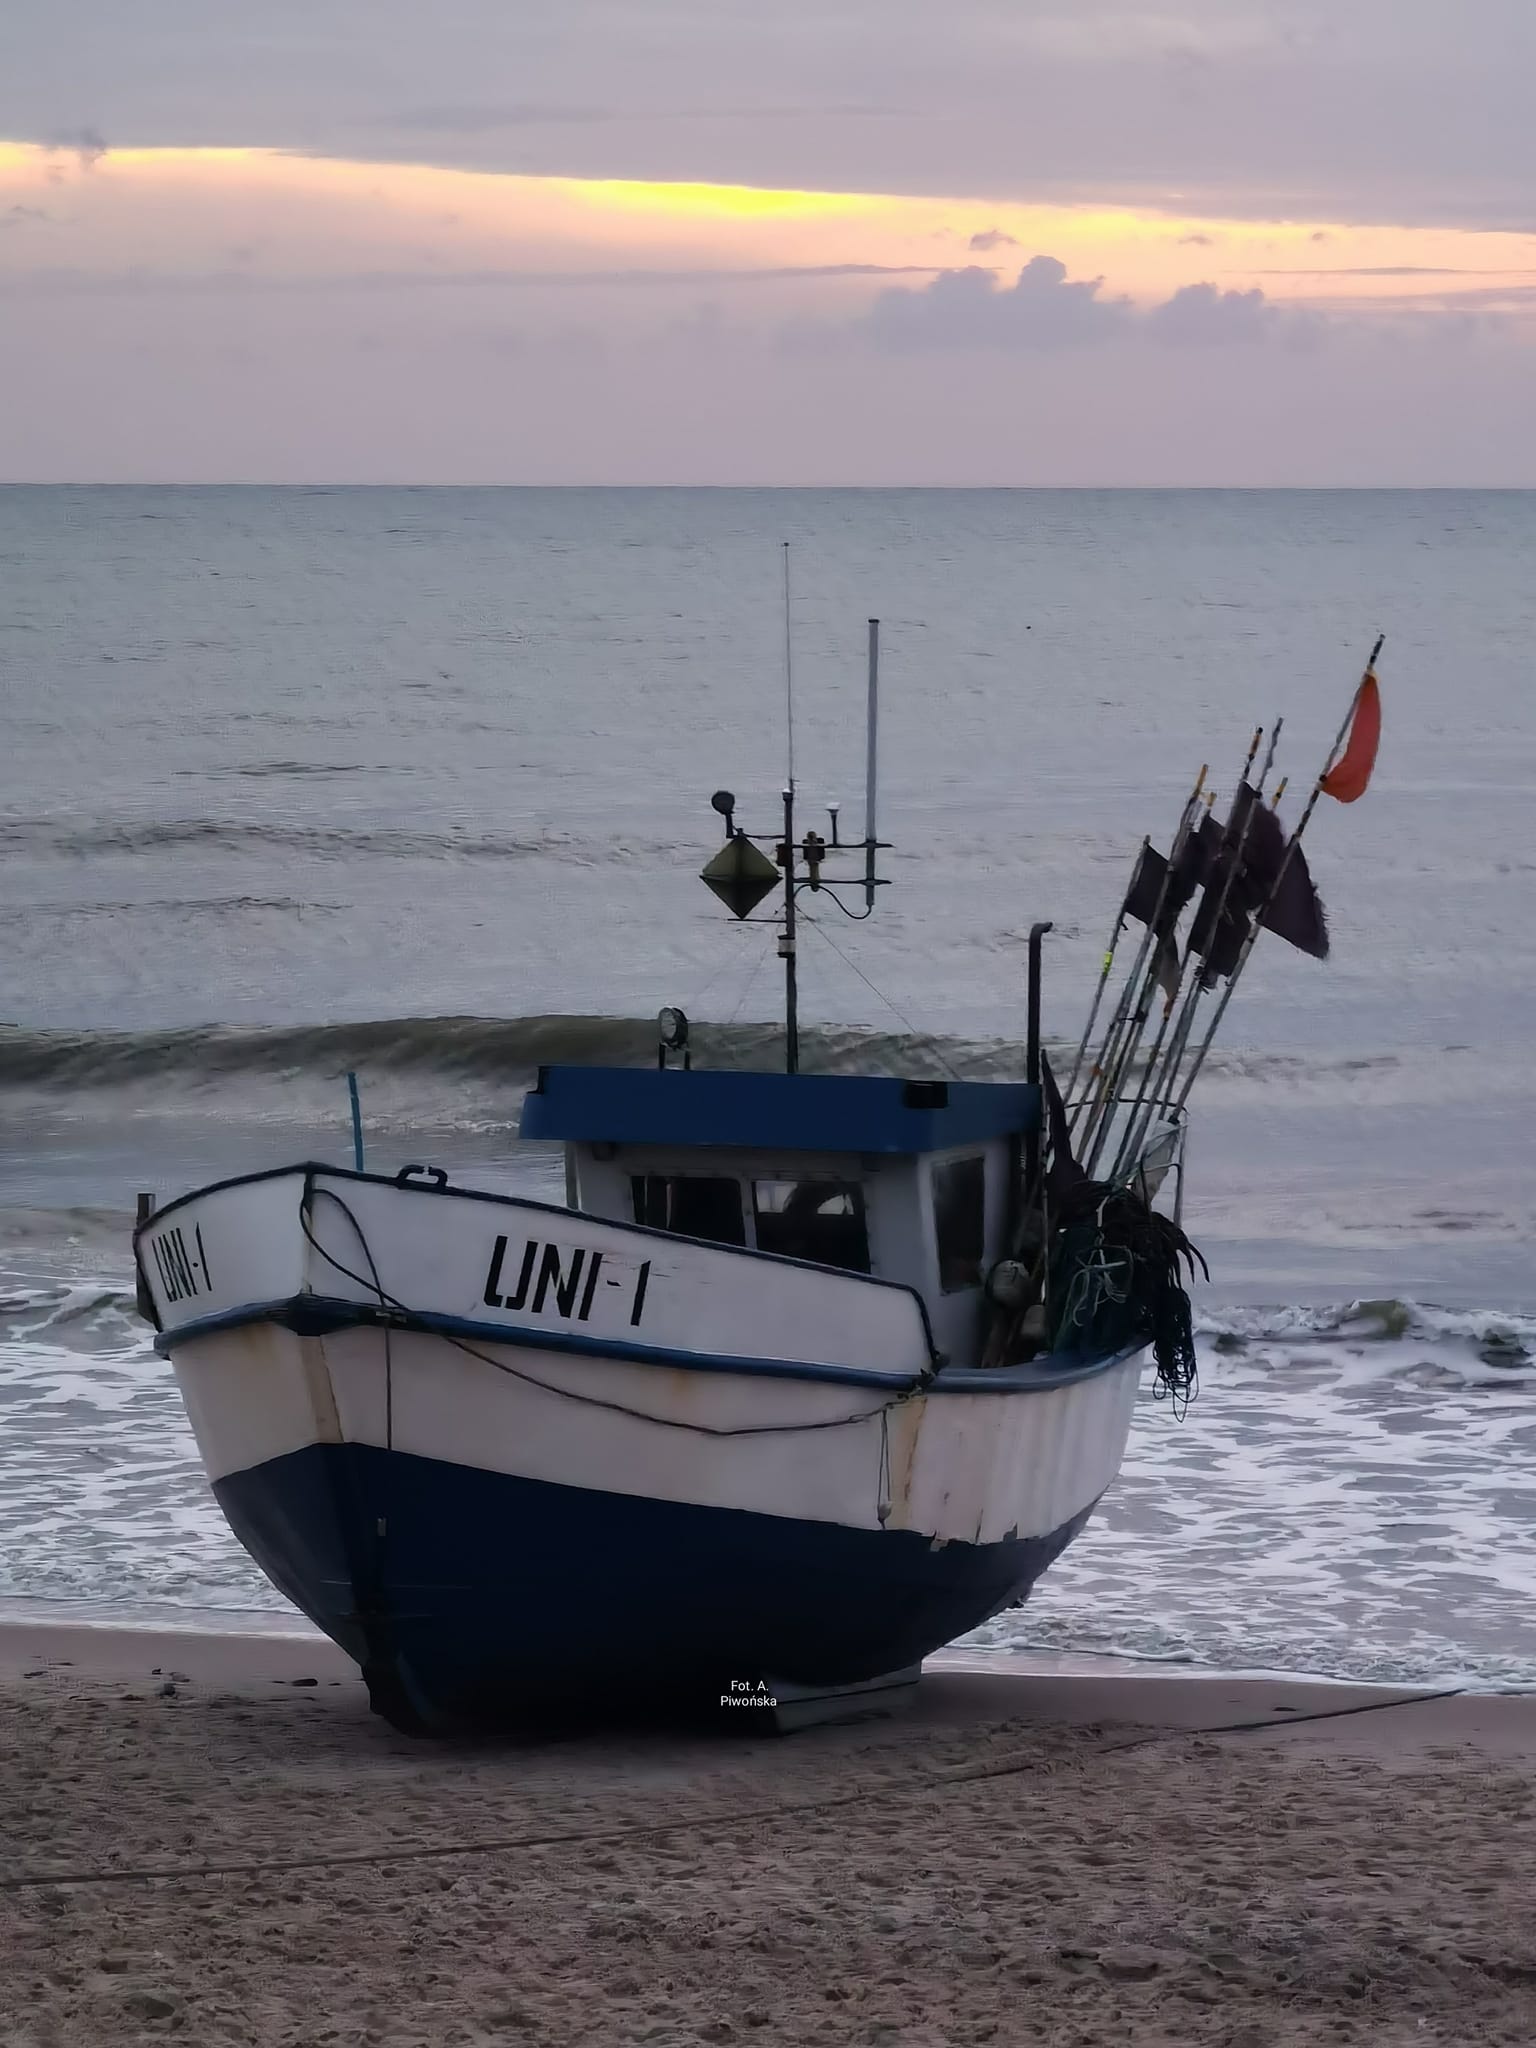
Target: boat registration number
[[560, 1280]]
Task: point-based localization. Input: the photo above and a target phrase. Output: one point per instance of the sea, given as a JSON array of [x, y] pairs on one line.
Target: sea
[[416, 784]]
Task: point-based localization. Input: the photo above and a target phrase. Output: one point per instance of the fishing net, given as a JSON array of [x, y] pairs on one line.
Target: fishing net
[[1117, 1279]]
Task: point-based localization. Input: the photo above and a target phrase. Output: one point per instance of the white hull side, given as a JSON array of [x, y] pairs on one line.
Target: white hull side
[[962, 1467], [518, 1265]]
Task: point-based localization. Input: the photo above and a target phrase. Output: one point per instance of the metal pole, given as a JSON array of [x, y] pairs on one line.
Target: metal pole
[[1037, 934], [787, 941], [789, 676], [871, 739], [357, 1123], [143, 1300]]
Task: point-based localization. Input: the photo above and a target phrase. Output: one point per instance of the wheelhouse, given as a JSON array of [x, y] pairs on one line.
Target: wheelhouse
[[907, 1181]]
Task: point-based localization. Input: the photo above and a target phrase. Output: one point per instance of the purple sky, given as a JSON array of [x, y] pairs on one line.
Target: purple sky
[[1075, 243]]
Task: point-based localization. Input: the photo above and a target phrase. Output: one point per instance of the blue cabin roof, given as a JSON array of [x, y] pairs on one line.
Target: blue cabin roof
[[772, 1112]]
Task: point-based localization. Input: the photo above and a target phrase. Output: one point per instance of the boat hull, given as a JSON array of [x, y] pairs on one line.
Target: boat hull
[[472, 1597], [675, 1471]]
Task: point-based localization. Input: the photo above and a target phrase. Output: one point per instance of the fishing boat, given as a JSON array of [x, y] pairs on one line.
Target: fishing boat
[[809, 1375]]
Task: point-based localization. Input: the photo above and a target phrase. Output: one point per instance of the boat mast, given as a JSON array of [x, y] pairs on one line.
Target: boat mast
[[787, 938], [741, 873], [787, 851], [869, 764]]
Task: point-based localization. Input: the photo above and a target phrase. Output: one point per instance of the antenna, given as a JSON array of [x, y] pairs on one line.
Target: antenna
[[789, 677], [742, 875], [869, 763]]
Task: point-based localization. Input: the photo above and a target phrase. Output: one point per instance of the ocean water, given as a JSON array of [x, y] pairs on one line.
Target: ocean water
[[416, 783]]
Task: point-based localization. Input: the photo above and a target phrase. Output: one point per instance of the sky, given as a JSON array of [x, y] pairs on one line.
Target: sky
[[985, 242]]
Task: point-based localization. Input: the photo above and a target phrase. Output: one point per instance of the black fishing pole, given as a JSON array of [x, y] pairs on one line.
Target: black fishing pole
[[1144, 1006], [1105, 972], [1134, 1008], [1285, 860], [1107, 1060], [1114, 941], [1157, 1087]]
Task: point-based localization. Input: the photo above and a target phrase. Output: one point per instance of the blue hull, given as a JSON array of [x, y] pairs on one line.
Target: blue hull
[[469, 1597]]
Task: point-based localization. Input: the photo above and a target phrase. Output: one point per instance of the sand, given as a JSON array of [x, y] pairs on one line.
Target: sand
[[200, 1846]]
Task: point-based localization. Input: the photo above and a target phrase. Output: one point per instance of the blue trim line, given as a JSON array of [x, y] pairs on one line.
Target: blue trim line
[[317, 1315], [312, 1169], [705, 1107], [1056, 1369]]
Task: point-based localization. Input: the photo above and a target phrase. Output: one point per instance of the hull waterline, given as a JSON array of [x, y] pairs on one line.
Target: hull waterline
[[471, 1598]]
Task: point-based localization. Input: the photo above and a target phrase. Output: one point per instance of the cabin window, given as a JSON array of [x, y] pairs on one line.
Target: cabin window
[[959, 1217], [820, 1220], [692, 1205]]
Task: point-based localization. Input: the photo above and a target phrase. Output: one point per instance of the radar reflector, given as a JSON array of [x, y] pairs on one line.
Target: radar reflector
[[740, 874]]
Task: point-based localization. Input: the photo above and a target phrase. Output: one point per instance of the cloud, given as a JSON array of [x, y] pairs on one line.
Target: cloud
[[85, 144], [1201, 314], [138, 280], [481, 120], [993, 238], [1197, 241], [1383, 270], [1045, 309], [1389, 110], [969, 308]]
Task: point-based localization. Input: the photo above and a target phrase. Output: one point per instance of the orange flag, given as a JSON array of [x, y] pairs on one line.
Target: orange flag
[[1349, 775]]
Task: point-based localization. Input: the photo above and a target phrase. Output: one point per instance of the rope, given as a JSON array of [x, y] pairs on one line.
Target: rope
[[437, 1852], [1094, 1282], [378, 1288], [746, 988], [388, 1301], [1131, 1262], [880, 993]]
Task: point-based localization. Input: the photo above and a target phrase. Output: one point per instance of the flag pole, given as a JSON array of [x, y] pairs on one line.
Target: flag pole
[[1114, 938], [1285, 860], [1163, 1087], [1138, 1025], [1109, 1045], [1104, 973], [1136, 997]]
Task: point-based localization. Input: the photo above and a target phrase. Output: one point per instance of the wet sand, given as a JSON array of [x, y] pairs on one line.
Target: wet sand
[[202, 1845]]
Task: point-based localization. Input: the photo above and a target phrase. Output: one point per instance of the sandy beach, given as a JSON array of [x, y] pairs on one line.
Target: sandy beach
[[211, 1839]]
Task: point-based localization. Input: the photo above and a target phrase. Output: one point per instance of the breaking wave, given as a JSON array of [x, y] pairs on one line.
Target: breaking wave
[[491, 1048], [1383, 1337], [233, 835], [512, 1049]]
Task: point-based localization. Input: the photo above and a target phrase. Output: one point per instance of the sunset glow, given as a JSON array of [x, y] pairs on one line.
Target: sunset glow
[[179, 213]]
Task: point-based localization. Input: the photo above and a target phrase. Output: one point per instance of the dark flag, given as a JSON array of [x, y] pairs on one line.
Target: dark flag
[[1219, 936], [1294, 909], [1157, 898], [1265, 886], [1156, 892], [1064, 1173]]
